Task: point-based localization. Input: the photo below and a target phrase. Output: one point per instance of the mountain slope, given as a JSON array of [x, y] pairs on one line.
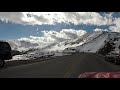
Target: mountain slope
[[88, 42]]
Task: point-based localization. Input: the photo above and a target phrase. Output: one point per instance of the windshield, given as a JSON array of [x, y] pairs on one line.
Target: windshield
[[61, 44]]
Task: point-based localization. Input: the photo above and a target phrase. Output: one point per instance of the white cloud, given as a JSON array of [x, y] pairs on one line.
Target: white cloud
[[54, 36], [116, 27], [98, 29], [91, 18], [14, 17], [48, 38], [40, 18]]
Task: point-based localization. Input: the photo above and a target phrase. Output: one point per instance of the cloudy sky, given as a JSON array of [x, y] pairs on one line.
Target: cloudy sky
[[24, 25]]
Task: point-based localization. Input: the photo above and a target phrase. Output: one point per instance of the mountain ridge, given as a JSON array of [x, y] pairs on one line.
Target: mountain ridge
[[88, 42]]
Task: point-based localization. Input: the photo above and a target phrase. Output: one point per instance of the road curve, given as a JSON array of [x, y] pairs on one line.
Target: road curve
[[61, 67]]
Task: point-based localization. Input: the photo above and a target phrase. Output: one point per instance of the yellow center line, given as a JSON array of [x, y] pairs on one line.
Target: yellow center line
[[68, 70]]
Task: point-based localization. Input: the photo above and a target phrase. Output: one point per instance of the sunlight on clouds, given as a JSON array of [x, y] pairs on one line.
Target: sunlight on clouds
[[116, 27], [48, 38], [39, 18], [98, 29], [51, 18]]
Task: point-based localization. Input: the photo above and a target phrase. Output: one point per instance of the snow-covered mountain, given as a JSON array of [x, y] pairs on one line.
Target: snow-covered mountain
[[96, 42], [102, 42]]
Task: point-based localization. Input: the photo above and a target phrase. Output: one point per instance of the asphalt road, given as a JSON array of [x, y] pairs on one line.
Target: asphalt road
[[61, 67]]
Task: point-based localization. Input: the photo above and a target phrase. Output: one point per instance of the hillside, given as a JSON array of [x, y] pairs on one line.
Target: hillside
[[102, 42]]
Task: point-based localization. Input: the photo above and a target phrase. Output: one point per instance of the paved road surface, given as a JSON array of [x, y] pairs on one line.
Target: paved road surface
[[62, 67]]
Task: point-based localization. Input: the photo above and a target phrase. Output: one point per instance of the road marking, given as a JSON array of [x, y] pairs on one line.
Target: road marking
[[69, 70]]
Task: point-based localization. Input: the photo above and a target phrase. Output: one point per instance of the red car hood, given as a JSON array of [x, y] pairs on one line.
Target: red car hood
[[100, 75]]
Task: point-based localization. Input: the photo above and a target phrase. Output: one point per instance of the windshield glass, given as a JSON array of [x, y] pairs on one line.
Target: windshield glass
[[64, 43]]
